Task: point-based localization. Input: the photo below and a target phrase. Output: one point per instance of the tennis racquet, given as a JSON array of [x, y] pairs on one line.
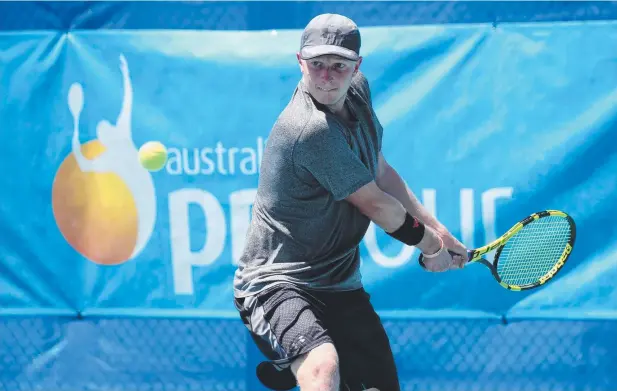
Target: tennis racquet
[[531, 252]]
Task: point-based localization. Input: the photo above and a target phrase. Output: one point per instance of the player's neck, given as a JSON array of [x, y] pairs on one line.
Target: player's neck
[[341, 110]]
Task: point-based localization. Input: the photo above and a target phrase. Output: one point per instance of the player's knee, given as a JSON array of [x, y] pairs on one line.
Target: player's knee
[[319, 369], [320, 374]]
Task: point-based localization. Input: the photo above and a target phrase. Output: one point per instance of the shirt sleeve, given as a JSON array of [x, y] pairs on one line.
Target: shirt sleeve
[[324, 152]]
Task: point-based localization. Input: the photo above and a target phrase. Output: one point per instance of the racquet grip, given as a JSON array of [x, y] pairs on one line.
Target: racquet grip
[[469, 254]]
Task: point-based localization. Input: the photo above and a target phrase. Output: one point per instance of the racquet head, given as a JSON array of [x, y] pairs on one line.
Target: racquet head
[[532, 251]]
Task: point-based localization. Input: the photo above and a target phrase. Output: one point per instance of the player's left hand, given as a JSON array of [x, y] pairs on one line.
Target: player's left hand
[[452, 244]]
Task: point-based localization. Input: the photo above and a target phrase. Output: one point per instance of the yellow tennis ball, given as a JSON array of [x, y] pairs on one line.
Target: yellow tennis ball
[[153, 155]]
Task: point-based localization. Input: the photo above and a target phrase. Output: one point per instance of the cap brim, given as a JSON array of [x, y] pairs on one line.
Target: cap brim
[[315, 51]]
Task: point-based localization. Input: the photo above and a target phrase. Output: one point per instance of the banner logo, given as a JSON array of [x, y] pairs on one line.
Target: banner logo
[[103, 200]]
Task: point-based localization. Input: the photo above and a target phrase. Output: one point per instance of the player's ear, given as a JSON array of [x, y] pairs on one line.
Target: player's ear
[[357, 65], [299, 60]]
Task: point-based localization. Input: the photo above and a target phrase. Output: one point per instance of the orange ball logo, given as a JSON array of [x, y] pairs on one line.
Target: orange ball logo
[[95, 211]]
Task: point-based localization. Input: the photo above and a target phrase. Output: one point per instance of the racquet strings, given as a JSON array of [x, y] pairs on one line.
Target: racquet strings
[[533, 251]]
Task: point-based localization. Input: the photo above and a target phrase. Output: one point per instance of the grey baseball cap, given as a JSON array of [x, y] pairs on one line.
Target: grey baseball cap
[[330, 34]]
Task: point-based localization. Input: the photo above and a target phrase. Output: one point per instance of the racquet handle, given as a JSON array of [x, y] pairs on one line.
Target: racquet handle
[[469, 254]]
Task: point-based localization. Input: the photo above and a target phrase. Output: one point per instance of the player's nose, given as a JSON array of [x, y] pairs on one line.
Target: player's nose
[[326, 74]]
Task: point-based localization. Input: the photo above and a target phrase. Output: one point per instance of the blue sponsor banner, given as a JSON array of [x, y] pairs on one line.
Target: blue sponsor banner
[[485, 124]]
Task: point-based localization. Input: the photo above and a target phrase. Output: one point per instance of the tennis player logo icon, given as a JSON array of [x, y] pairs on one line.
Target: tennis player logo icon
[[103, 199]]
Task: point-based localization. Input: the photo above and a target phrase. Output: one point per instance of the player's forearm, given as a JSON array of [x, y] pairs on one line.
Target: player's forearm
[[391, 216], [385, 211], [388, 213], [392, 183]]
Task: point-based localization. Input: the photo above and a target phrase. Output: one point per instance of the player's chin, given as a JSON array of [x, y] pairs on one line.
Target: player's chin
[[327, 97]]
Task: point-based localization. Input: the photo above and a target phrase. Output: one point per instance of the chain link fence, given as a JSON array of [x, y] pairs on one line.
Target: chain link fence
[[150, 354]]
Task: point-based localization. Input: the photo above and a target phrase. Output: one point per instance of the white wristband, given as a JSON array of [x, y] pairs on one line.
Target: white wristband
[[437, 253]]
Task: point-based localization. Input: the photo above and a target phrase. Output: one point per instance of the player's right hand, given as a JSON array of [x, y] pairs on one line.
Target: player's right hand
[[435, 253], [439, 262], [456, 248]]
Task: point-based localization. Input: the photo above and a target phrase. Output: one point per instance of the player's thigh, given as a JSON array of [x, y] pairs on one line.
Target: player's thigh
[[365, 355]]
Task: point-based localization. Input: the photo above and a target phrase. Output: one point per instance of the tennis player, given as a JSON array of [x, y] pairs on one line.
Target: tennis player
[[323, 179]]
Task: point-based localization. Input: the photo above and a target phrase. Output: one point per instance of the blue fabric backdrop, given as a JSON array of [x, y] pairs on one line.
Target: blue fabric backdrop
[[491, 111]]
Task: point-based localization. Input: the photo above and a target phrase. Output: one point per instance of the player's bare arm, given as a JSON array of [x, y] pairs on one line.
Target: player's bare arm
[[388, 213], [391, 182]]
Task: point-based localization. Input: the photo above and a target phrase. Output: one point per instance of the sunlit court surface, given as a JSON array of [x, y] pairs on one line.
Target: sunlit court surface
[[133, 136]]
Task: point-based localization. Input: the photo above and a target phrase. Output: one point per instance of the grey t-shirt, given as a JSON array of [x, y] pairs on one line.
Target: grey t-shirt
[[302, 230]]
